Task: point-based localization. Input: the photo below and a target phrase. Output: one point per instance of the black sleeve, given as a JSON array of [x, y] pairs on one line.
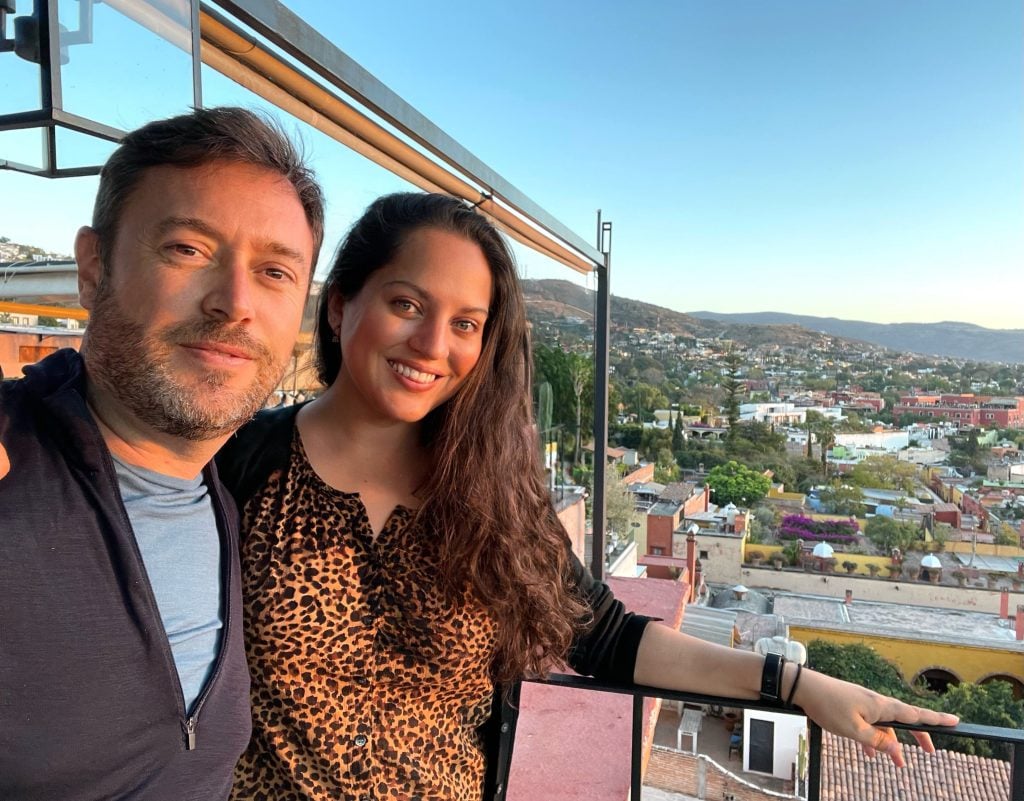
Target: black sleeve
[[255, 451], [607, 649]]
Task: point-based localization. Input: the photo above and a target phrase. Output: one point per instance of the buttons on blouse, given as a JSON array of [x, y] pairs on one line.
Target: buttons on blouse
[[360, 740]]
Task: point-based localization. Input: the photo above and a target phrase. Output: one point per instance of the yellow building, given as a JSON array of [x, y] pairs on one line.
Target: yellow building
[[938, 647]]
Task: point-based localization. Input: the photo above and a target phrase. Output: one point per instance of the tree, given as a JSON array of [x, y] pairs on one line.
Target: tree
[[736, 483], [571, 378], [887, 533], [989, 704], [823, 429], [677, 433], [731, 385], [884, 472], [860, 664], [620, 509], [666, 470], [653, 441], [1006, 535], [750, 440], [842, 499], [581, 378]]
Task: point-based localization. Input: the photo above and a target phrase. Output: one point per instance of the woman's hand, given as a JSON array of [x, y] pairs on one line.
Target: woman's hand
[[852, 711]]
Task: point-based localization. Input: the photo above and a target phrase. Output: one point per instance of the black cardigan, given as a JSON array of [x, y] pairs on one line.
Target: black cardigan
[[607, 649]]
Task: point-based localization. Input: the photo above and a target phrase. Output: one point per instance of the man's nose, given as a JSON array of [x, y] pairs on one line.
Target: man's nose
[[230, 296]]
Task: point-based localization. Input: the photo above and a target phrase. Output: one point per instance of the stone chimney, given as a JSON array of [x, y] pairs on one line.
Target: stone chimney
[[1004, 604], [849, 597], [1018, 623]]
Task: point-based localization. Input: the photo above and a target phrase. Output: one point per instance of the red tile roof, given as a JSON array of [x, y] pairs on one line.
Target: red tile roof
[[848, 775]]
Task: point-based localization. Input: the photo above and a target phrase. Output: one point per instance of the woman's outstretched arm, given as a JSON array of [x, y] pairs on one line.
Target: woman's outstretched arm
[[676, 661]]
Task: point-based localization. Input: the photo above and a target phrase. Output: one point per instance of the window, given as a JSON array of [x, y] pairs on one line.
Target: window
[[656, 551], [703, 554]]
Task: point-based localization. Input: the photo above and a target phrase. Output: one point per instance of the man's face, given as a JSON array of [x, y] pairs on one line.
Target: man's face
[[195, 314]]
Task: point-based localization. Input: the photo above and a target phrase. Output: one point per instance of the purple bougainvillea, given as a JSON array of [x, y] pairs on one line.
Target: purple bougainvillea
[[799, 527]]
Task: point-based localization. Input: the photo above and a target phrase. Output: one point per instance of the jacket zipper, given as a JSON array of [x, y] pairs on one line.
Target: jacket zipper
[[188, 722], [192, 721]]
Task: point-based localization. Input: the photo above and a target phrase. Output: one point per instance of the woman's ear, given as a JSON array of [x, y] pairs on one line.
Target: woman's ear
[[335, 306]]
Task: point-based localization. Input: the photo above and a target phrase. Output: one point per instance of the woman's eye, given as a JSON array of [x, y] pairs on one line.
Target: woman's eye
[[468, 326], [404, 305]]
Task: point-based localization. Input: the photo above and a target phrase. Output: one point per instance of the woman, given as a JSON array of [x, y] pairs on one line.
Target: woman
[[402, 559]]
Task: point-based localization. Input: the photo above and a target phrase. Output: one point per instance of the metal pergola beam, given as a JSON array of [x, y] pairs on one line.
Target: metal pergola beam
[[299, 40]]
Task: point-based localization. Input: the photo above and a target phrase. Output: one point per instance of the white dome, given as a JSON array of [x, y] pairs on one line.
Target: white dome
[[931, 560], [823, 550]]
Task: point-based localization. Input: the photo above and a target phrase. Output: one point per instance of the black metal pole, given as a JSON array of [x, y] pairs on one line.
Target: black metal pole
[[637, 749], [814, 746], [1017, 773], [602, 321]]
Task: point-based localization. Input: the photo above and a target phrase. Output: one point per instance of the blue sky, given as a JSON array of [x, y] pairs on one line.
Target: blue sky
[[854, 159]]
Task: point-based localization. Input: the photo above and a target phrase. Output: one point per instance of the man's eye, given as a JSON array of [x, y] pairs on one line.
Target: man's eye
[[276, 274], [186, 250]]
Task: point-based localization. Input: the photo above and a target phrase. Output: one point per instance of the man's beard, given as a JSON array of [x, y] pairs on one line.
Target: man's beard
[[135, 367]]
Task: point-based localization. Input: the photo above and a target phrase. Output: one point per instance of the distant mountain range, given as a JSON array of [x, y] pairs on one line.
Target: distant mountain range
[[949, 339], [550, 299]]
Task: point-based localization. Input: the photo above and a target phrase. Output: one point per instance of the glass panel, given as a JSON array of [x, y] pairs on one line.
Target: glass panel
[[19, 79], [23, 146], [128, 61], [76, 149]]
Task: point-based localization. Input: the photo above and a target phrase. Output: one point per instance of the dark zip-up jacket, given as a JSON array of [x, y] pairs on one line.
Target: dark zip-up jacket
[[607, 649], [90, 702]]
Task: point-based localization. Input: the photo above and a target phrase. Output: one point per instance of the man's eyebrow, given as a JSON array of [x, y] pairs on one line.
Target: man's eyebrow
[[430, 298], [201, 226], [194, 223]]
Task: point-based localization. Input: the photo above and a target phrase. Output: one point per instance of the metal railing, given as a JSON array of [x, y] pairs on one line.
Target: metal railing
[[1014, 737]]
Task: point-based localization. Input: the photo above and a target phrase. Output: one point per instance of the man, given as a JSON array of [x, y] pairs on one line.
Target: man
[[122, 671]]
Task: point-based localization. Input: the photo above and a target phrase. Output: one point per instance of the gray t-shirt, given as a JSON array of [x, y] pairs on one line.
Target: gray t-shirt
[[176, 531]]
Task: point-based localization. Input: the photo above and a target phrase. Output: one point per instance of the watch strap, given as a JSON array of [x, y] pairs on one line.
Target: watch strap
[[771, 678]]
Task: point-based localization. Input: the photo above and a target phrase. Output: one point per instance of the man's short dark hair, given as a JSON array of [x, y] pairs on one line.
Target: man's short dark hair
[[193, 140]]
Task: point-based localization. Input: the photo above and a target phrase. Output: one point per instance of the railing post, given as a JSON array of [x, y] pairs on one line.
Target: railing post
[[814, 746], [1017, 773], [602, 321], [636, 749]]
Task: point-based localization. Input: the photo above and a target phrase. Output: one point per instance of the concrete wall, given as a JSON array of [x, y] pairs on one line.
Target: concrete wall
[[865, 588], [698, 777], [18, 350], [574, 518]]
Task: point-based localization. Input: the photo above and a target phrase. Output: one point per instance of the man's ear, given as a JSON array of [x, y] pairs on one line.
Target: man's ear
[[90, 265]]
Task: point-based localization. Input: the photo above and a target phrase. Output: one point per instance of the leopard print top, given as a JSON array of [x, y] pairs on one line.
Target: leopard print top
[[365, 683]]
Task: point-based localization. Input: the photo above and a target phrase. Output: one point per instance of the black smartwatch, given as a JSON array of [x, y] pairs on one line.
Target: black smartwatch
[[771, 679]]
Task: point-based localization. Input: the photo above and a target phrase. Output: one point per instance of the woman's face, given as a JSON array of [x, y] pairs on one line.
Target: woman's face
[[414, 332]]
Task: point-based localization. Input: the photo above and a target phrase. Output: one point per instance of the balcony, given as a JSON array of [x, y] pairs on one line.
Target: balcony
[[549, 765], [581, 738]]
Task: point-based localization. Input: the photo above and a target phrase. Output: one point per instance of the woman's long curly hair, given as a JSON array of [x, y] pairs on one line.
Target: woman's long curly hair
[[484, 496]]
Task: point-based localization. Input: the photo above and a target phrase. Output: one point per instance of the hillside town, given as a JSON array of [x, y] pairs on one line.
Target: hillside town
[[804, 494]]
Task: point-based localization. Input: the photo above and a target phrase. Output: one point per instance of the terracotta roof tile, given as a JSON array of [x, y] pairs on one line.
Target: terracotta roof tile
[[848, 775]]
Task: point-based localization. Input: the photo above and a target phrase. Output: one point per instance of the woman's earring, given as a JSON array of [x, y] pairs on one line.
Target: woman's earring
[[335, 337]]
